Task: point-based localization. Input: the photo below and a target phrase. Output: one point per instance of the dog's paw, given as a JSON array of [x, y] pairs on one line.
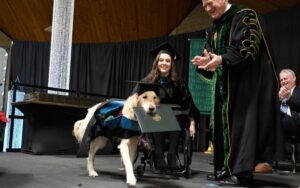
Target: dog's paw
[[131, 180], [93, 174]]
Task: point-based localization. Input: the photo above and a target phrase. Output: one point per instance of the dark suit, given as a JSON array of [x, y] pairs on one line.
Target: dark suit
[[291, 125]]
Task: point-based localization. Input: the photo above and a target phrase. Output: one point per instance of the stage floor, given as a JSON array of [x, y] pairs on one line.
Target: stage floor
[[67, 171]]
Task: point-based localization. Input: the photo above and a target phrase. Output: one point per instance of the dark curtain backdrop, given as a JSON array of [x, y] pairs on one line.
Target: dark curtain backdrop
[[98, 68], [104, 68], [30, 62], [284, 33]]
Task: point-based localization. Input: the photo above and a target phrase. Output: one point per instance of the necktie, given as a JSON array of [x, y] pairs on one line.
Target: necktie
[[284, 107]]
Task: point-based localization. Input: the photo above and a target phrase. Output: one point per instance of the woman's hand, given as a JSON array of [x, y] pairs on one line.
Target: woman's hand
[[192, 128]]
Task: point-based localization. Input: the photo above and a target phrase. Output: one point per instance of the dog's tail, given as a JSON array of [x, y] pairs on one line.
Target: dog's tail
[[80, 125], [77, 130]]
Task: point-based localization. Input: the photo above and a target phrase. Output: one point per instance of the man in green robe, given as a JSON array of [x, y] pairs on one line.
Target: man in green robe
[[245, 113]]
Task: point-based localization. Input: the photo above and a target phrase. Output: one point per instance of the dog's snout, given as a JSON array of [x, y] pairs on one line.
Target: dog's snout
[[151, 108]]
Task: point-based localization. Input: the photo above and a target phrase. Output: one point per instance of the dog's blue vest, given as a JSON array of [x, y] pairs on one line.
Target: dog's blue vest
[[110, 122]]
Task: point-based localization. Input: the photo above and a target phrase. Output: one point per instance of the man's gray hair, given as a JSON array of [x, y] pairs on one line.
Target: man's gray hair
[[288, 71]]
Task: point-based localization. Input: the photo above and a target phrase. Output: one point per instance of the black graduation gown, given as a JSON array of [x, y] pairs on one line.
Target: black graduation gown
[[174, 92]]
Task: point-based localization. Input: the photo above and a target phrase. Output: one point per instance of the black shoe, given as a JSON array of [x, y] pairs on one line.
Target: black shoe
[[172, 162], [230, 181], [220, 175], [240, 180], [160, 163], [161, 166]]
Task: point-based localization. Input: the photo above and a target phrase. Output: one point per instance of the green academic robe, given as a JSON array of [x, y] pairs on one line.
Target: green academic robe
[[245, 113]]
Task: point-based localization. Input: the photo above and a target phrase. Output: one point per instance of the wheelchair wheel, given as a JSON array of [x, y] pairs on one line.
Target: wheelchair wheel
[[184, 156], [181, 160], [140, 170]]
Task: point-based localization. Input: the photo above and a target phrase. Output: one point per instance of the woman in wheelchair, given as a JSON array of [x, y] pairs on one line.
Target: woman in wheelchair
[[174, 92]]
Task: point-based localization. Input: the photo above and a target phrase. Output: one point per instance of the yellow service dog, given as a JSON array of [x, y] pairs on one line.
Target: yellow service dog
[[128, 147]]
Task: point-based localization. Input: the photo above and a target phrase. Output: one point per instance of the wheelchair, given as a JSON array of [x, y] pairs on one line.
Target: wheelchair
[[146, 155]]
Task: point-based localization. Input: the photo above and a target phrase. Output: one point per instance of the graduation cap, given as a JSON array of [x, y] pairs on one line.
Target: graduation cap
[[165, 48], [144, 86]]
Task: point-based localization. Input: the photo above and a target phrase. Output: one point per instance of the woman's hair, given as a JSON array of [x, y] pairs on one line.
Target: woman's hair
[[153, 76]]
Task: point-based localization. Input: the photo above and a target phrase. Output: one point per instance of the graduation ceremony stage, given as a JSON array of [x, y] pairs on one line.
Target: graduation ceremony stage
[[25, 170]]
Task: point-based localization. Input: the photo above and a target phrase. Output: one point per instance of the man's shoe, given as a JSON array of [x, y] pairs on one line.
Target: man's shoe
[[263, 168], [239, 180], [220, 175], [230, 181]]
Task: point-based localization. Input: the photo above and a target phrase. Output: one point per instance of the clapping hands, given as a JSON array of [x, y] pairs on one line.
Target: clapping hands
[[209, 61], [284, 93]]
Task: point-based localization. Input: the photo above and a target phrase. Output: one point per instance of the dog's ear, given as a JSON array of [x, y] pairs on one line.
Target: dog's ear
[[135, 96], [139, 99], [157, 101], [131, 101], [134, 100]]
